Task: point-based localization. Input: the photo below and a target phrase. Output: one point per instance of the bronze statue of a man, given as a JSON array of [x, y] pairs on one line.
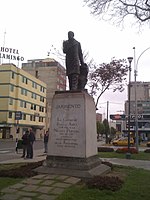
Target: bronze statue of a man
[[74, 59]]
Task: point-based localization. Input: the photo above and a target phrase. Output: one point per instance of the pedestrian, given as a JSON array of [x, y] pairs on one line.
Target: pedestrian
[[74, 58], [46, 136], [25, 143], [30, 145]]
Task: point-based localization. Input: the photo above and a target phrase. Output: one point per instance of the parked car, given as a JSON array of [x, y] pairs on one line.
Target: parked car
[[148, 144], [123, 142]]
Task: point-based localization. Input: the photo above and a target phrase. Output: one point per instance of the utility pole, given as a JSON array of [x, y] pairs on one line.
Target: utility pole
[[107, 121]]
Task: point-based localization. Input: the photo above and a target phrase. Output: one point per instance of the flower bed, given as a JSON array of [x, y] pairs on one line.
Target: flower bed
[[125, 150]]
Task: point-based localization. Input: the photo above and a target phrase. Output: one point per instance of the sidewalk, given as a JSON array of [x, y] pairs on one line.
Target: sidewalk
[[50, 186], [144, 164]]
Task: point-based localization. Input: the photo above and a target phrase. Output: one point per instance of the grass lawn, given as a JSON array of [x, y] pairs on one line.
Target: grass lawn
[[136, 186], [5, 181], [139, 156]]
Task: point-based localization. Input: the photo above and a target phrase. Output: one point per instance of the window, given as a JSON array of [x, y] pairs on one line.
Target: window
[[23, 116], [33, 96], [23, 104], [23, 91], [24, 80], [10, 115], [34, 85], [13, 75], [41, 109], [40, 119], [10, 101], [42, 89], [42, 99], [11, 88]]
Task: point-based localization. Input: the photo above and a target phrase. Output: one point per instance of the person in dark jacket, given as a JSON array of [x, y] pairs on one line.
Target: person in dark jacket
[[46, 136], [25, 143], [30, 145]]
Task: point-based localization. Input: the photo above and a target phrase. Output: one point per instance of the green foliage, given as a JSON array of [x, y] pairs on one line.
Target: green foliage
[[100, 128], [5, 181], [135, 187], [112, 183], [139, 156]]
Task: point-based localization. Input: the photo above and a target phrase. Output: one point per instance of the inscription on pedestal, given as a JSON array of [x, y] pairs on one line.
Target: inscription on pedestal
[[67, 127]]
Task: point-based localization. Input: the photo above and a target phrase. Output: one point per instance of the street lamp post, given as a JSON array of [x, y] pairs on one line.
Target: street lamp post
[[129, 103]]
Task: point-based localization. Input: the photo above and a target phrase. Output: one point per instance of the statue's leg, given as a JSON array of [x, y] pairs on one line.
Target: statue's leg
[[74, 85]]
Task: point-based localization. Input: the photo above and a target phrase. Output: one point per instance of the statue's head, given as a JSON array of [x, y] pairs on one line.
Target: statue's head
[[70, 35]]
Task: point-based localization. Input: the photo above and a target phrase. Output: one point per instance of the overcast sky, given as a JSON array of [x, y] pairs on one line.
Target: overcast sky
[[33, 26]]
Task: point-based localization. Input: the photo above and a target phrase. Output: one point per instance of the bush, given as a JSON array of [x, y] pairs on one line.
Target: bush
[[147, 150], [105, 149], [125, 150], [112, 183]]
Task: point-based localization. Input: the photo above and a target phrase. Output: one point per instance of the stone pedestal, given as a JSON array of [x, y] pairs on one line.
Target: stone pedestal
[[72, 146]]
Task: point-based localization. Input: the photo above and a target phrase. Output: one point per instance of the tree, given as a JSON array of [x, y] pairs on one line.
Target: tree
[[107, 76], [119, 10], [107, 129], [100, 128]]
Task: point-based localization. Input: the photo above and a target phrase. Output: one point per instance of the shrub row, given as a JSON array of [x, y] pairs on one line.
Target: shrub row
[[125, 150], [112, 183], [105, 149]]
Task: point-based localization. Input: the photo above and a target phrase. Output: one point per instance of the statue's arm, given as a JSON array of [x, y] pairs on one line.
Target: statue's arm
[[65, 46]]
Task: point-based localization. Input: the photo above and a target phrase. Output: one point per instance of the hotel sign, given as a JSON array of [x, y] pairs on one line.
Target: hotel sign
[[10, 54]]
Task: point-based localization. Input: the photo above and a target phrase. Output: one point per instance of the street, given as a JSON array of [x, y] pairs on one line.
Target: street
[[7, 149]]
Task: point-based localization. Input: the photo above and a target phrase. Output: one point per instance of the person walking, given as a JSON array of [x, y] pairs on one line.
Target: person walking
[[46, 136], [30, 145], [25, 143]]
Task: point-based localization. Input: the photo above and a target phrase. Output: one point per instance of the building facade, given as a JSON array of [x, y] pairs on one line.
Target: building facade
[[53, 74], [143, 109], [22, 102]]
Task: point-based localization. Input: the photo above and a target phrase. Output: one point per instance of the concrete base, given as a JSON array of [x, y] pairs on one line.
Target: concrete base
[[78, 167], [72, 145]]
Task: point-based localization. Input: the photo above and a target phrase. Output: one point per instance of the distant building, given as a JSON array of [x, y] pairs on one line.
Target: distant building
[[22, 102], [52, 73], [143, 108]]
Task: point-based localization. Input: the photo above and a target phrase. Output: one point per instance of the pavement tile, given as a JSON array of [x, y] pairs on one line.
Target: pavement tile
[[44, 189], [62, 177], [48, 182], [27, 194], [40, 176], [62, 185], [32, 181], [72, 180], [30, 188], [26, 198], [8, 190], [51, 176], [17, 186], [57, 190], [47, 197], [9, 197]]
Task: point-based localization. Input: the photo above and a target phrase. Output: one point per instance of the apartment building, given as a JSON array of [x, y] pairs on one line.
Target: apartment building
[[52, 73], [22, 102], [143, 108]]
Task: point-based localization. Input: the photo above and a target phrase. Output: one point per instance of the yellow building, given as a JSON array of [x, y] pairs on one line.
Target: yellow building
[[22, 102]]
